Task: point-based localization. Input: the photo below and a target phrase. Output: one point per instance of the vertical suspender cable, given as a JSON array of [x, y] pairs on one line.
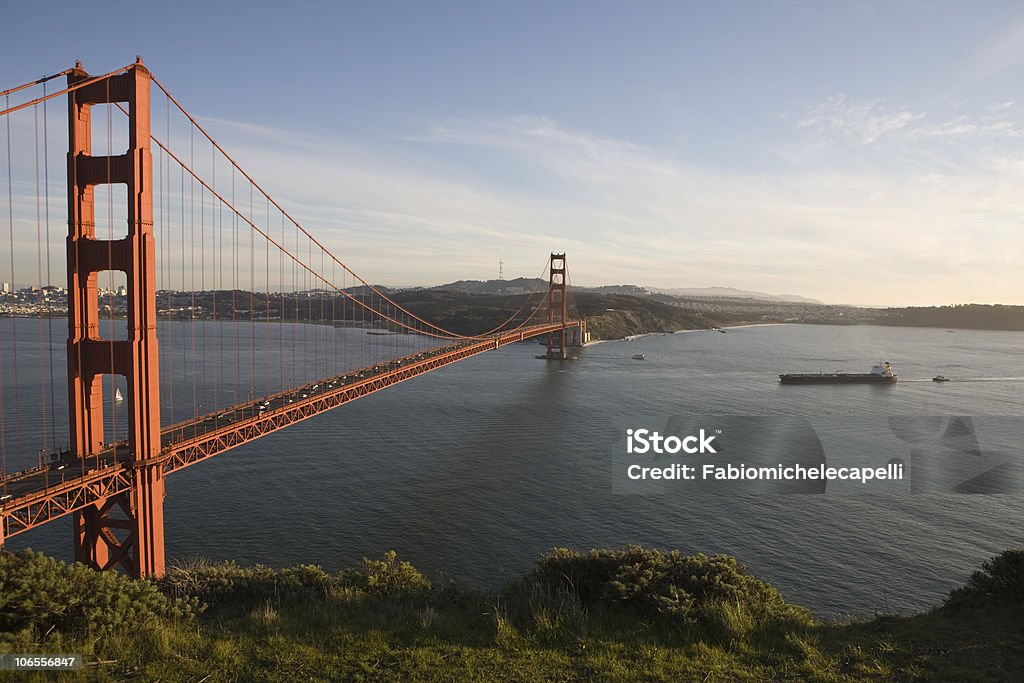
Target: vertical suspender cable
[[14, 283], [110, 272], [234, 290], [252, 301], [43, 320], [362, 330], [158, 235], [49, 278], [311, 330], [267, 384], [218, 253], [192, 268], [3, 386], [78, 347], [294, 352], [305, 325], [202, 288], [334, 324], [169, 252], [283, 315], [345, 324], [265, 388], [325, 357], [215, 328]]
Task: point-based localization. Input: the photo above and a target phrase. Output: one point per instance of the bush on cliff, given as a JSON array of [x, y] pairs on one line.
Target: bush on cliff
[[1000, 581], [40, 592], [714, 595]]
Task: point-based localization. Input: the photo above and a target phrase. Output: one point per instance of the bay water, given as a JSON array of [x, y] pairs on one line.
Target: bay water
[[473, 471]]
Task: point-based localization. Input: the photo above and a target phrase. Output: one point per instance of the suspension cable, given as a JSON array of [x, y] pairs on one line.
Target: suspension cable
[[40, 81], [296, 259], [70, 88], [536, 288], [446, 333]]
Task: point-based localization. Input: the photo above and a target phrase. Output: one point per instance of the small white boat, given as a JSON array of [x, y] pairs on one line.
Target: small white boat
[[639, 356], [117, 395]]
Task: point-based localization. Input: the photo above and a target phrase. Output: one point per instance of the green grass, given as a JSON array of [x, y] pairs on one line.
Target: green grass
[[383, 622]]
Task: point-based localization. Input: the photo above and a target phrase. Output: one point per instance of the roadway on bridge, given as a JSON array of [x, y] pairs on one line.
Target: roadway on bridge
[[62, 466]]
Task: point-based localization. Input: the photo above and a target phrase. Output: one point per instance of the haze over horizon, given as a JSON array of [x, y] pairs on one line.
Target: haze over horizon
[[867, 153]]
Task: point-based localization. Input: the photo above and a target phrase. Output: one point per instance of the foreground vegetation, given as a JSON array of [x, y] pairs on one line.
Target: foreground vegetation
[[607, 615]]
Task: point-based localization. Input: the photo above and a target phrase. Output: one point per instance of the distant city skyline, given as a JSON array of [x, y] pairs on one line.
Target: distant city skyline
[[864, 153]]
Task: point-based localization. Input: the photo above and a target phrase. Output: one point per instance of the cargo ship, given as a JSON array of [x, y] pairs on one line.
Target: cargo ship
[[880, 374]]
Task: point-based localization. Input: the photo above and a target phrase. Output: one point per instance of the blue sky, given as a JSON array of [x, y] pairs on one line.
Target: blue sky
[[855, 152]]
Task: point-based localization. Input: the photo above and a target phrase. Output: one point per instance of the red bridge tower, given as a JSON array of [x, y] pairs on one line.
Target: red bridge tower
[[125, 530], [557, 311]]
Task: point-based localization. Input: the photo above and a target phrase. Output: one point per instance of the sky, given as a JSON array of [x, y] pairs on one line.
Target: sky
[[853, 152]]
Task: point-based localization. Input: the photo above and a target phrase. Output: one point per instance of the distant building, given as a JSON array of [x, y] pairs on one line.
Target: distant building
[[5, 288], [122, 291]]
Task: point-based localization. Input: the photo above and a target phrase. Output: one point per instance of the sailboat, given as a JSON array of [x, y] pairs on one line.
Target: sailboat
[[117, 395]]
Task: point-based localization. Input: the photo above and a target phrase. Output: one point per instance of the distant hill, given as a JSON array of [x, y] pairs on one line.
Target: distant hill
[[524, 285], [365, 289], [628, 290], [732, 292], [609, 316], [963, 316], [520, 285], [614, 316]]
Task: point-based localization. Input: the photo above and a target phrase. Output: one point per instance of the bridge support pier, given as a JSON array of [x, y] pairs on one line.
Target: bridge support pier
[[139, 552]]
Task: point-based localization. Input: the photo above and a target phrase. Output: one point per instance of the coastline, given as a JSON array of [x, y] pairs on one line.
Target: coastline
[[634, 337]]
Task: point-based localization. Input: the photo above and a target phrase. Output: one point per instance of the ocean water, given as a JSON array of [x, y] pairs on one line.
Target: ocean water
[[473, 471]]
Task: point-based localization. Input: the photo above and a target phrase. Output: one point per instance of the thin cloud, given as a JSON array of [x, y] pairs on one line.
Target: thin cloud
[[840, 118], [865, 121], [827, 230], [440, 203]]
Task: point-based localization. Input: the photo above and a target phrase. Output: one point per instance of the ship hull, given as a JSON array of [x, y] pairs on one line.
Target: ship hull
[[837, 379]]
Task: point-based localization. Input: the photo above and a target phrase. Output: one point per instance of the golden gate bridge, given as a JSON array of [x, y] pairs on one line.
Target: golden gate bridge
[[167, 233]]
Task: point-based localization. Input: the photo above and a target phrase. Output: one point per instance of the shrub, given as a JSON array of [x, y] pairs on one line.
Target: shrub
[[229, 582], [223, 582], [685, 589], [1000, 581], [455, 595], [308, 579], [219, 582], [42, 593], [388, 577]]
